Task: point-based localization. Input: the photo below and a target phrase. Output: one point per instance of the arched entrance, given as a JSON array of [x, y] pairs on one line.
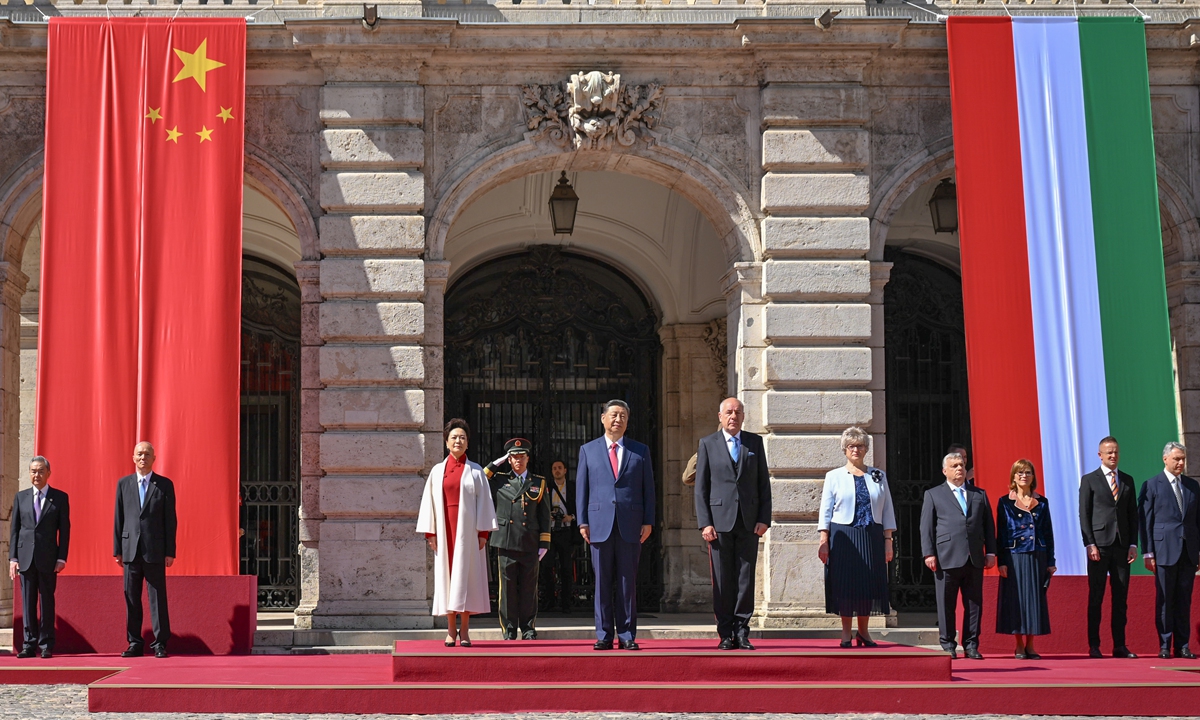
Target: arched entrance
[[536, 342], [270, 432]]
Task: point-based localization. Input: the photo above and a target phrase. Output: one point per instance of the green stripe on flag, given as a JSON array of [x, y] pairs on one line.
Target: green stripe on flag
[[1129, 252]]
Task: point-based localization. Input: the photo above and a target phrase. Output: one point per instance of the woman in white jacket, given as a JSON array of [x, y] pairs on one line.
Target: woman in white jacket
[[856, 525], [456, 516]]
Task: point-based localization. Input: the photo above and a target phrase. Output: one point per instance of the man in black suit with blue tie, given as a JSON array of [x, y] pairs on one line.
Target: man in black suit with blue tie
[[39, 535], [144, 525], [733, 509], [614, 501], [958, 540], [1169, 520]]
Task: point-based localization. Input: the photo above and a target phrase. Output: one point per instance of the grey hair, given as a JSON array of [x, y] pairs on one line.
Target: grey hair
[[855, 435], [952, 456], [615, 403], [1173, 446], [42, 460]]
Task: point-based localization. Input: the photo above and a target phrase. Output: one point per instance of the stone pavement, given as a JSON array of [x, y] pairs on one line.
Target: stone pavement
[[69, 702]]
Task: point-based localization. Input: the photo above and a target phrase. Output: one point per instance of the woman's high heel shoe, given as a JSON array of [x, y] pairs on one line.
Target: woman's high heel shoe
[[858, 638], [845, 643], [464, 641], [450, 642]]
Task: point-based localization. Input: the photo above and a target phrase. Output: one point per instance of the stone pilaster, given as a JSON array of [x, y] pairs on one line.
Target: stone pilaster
[[308, 276], [372, 363], [1183, 300], [12, 287], [693, 387], [821, 329]]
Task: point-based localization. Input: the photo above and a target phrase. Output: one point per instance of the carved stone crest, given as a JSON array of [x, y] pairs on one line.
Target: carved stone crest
[[592, 110]]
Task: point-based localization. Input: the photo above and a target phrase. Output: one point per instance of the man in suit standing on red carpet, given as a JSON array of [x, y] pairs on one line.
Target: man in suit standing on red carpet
[[614, 497], [39, 534], [1108, 519]]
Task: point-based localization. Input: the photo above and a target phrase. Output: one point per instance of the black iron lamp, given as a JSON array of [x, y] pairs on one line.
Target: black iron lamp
[[943, 207], [563, 204]]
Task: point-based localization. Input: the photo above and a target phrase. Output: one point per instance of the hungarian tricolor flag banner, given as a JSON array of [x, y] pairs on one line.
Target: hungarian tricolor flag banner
[[1062, 260], [139, 324]]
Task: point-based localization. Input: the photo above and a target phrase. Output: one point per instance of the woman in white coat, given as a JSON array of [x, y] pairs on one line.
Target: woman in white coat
[[856, 525], [456, 516]]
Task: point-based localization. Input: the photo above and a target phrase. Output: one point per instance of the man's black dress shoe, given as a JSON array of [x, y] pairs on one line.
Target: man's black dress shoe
[[973, 654], [27, 652], [1096, 654], [1123, 652], [744, 643], [953, 651], [1185, 652], [46, 654], [728, 644], [631, 645], [1164, 653], [160, 652], [602, 645], [133, 651], [529, 636]]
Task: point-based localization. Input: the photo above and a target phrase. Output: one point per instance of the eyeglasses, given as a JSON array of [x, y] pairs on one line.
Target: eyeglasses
[[1024, 473], [858, 447]]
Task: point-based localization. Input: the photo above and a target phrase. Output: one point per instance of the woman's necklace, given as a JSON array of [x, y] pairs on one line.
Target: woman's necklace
[[1026, 505]]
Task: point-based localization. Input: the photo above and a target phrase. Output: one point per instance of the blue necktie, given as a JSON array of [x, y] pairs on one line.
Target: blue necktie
[[962, 499], [142, 492], [733, 448]]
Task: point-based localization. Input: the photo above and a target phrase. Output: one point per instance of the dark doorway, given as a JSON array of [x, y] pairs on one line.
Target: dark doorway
[[927, 409], [270, 433], [535, 344]]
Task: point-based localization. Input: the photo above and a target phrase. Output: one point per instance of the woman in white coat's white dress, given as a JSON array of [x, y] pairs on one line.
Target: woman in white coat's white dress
[[456, 516]]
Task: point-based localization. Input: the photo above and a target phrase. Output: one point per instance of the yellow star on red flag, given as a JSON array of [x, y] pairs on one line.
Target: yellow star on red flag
[[173, 134], [226, 114], [196, 65], [153, 115], [205, 133]]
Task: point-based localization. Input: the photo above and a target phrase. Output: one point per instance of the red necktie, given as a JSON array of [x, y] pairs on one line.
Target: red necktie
[[612, 457]]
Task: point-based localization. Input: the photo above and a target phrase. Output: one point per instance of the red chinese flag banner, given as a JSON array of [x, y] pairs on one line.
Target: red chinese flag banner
[[139, 325]]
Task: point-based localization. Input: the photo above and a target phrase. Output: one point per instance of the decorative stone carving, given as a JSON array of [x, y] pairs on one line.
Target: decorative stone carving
[[592, 110], [717, 339]]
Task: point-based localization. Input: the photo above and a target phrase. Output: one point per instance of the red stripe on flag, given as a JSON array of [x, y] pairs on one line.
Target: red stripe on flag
[[995, 259]]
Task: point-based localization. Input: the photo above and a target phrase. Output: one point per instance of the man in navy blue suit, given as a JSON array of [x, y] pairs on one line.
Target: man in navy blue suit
[[1169, 520], [614, 501]]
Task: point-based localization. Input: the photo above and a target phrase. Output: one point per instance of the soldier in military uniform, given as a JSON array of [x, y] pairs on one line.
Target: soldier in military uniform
[[523, 514]]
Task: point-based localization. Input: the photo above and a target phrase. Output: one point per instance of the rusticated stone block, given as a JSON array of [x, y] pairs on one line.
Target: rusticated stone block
[[375, 407], [376, 496], [803, 105], [372, 105], [372, 235], [821, 193], [795, 499], [809, 367], [817, 322], [393, 147], [795, 577], [806, 455], [821, 409], [829, 237], [372, 365], [376, 452], [397, 191], [377, 278], [819, 148], [351, 320], [816, 279]]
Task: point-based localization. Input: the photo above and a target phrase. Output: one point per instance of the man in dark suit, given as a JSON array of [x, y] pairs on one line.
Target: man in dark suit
[[733, 509], [144, 526], [614, 487], [1108, 519], [564, 538], [1170, 529], [958, 540], [39, 534]]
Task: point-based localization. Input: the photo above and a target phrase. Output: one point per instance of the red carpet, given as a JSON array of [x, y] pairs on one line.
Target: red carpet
[[1061, 685], [669, 661]]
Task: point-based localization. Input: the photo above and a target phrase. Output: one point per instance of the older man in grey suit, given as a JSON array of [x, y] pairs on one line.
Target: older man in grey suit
[[957, 527]]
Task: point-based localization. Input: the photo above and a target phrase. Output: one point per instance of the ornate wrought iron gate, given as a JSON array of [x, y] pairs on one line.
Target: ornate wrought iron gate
[[535, 344], [927, 407], [270, 433]]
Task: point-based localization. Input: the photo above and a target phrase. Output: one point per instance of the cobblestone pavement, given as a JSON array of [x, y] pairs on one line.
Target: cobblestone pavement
[[69, 702]]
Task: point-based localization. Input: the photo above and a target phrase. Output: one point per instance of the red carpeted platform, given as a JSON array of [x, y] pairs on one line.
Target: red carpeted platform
[[669, 661], [1061, 685], [210, 614]]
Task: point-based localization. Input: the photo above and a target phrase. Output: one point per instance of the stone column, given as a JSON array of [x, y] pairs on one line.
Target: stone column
[[308, 276], [12, 287], [372, 362], [694, 373], [819, 362]]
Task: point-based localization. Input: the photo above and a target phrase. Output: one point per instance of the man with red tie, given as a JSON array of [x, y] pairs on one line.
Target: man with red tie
[[614, 499]]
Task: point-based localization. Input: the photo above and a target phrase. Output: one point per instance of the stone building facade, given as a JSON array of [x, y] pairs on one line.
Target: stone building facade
[[744, 167]]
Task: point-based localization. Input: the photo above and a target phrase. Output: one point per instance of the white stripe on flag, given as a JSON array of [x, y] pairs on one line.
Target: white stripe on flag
[[1068, 350]]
